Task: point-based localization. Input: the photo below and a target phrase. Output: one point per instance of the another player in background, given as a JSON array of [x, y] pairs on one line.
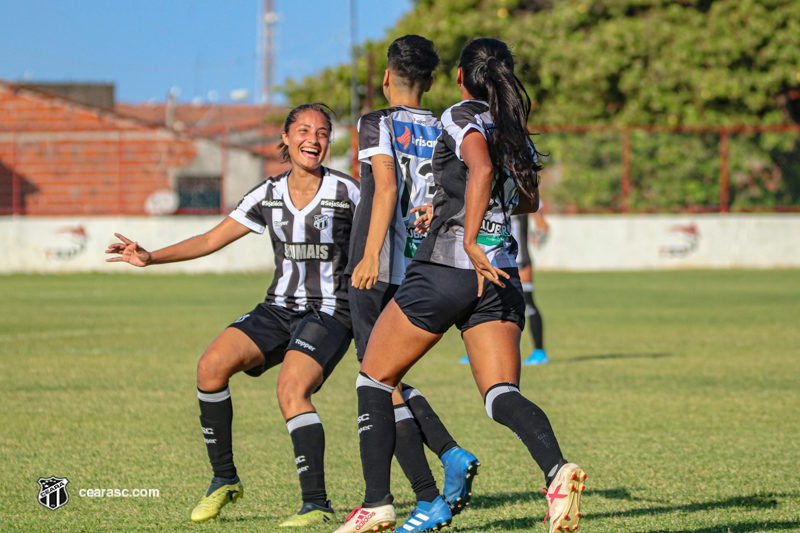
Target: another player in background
[[464, 273], [304, 321], [395, 148], [519, 227]]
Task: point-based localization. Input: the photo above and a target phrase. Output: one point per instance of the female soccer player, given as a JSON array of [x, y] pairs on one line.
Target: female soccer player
[[395, 149], [304, 322], [464, 273]]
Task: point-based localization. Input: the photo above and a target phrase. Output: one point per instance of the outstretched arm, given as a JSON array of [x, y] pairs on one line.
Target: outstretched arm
[[218, 237], [475, 152], [365, 274]]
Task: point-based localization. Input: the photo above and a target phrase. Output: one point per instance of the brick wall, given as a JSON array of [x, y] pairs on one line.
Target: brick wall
[[67, 159]]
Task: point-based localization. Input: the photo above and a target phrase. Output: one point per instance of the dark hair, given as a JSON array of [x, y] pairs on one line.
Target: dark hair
[[414, 58], [488, 67], [292, 117]]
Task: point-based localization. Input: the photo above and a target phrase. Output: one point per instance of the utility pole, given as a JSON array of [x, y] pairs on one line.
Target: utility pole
[[267, 50], [354, 111]]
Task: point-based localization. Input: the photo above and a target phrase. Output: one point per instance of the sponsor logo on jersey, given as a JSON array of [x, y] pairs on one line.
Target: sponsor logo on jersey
[[272, 203], [307, 252], [321, 221], [335, 204], [279, 223], [415, 139]]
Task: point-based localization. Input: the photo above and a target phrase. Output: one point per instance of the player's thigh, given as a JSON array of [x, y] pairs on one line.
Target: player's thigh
[[231, 352], [493, 349], [395, 345]]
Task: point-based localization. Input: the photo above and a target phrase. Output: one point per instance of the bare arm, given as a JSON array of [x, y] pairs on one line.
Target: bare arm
[[475, 153], [365, 274], [218, 237]]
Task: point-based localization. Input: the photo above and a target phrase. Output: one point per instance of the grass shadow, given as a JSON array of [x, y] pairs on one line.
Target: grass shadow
[[754, 501], [605, 356]]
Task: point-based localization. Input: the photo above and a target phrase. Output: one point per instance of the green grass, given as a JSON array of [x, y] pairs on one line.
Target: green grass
[[678, 392]]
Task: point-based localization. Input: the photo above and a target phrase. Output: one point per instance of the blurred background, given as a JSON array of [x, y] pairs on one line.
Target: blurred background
[[671, 128]]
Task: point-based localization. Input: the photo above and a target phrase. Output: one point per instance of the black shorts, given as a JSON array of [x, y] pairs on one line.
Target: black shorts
[[276, 330], [435, 297], [365, 308]]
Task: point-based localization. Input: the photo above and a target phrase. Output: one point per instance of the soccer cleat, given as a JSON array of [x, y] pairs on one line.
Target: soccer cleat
[[464, 360], [460, 469], [428, 516], [371, 519], [217, 497], [310, 514], [564, 497], [537, 357]]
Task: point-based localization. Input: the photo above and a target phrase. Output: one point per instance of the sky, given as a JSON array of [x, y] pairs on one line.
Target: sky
[[205, 48]]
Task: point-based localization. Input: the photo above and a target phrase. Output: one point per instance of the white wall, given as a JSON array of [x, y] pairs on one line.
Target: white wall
[[582, 242], [637, 242], [77, 244]]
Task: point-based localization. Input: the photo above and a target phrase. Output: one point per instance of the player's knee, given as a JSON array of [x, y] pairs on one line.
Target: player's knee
[[211, 370], [292, 390]]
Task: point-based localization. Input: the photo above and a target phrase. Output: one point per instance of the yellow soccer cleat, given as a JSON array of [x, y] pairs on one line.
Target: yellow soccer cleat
[[310, 514], [210, 506]]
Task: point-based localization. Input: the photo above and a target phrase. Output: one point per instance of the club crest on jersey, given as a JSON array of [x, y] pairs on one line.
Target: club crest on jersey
[[53, 492], [415, 139], [321, 221]]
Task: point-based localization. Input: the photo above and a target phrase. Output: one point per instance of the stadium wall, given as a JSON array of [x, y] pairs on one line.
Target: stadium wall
[[575, 242], [77, 244]]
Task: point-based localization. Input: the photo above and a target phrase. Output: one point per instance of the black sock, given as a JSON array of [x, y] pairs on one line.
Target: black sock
[[216, 419], [534, 317], [376, 434], [505, 404], [434, 434], [308, 438], [410, 454]]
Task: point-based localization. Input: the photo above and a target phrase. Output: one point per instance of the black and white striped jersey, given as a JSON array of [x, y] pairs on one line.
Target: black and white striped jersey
[[445, 241], [310, 244], [407, 135]]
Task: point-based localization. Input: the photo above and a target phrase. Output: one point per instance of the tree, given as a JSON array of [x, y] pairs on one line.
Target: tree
[[628, 62]]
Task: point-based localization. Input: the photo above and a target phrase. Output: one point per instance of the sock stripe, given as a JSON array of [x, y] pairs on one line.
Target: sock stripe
[[364, 380], [402, 413], [527, 286], [303, 420], [495, 391], [410, 393], [219, 396]]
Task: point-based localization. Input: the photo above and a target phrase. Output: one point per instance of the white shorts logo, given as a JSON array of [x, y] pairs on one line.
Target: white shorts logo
[[305, 345], [241, 318]]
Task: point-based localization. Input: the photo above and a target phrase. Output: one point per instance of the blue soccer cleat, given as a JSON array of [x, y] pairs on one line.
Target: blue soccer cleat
[[460, 469], [464, 360], [538, 357], [428, 517]]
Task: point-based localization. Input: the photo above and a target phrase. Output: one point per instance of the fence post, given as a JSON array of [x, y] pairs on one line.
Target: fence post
[[120, 195], [15, 192], [723, 170], [354, 164], [626, 170], [223, 172]]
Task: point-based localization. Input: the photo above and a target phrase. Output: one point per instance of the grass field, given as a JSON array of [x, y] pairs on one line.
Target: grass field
[[678, 392]]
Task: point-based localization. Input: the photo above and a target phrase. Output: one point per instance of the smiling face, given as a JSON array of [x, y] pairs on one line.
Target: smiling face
[[308, 139]]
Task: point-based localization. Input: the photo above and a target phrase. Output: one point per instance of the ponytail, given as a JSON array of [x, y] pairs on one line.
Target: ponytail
[[488, 68]]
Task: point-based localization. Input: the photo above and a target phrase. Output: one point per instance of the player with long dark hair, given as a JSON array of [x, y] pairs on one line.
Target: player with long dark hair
[[464, 273], [395, 148], [304, 321]]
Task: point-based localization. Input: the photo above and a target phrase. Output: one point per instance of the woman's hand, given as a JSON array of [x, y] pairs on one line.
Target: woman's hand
[[483, 268], [423, 222], [130, 252], [365, 274]]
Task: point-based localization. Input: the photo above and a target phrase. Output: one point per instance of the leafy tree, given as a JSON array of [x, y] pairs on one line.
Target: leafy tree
[[627, 62]]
